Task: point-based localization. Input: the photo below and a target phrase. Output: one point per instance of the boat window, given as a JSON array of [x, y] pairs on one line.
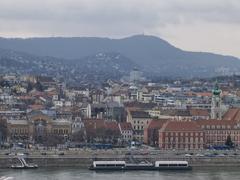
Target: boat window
[[182, 165], [162, 165], [110, 164], [173, 165]]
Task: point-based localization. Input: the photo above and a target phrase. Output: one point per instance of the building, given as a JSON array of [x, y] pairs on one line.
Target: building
[[199, 114], [139, 121], [185, 135], [37, 127], [126, 131], [151, 132], [77, 125], [216, 106], [216, 132], [99, 130]]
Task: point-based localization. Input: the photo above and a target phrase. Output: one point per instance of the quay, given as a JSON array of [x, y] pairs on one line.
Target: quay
[[84, 159]]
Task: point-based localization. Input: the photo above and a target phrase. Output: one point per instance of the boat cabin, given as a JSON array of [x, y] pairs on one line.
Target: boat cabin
[[171, 164], [109, 164]]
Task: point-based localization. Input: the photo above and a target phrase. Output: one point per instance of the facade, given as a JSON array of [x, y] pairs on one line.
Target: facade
[[151, 132], [181, 135], [37, 127], [139, 121], [126, 131], [216, 107], [216, 132]]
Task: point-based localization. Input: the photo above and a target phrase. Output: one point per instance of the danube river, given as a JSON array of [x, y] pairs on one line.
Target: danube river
[[84, 174]]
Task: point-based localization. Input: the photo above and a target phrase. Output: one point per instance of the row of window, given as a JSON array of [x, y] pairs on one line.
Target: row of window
[[216, 126], [222, 138], [138, 122], [19, 131], [183, 134], [184, 139], [182, 146], [223, 132], [127, 136], [138, 127], [60, 131]]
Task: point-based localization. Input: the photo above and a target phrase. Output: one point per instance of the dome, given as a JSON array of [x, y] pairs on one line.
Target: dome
[[216, 91]]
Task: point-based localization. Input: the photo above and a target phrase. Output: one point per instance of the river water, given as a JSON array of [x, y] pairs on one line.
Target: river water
[[84, 174]]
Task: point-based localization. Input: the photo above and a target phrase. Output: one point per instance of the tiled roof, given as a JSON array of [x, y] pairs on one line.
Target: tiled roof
[[182, 126], [92, 124], [112, 126], [232, 114], [199, 112], [156, 123], [215, 122], [207, 94], [125, 126]]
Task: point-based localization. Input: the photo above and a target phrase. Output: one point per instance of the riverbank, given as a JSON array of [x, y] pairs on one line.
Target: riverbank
[[84, 162]]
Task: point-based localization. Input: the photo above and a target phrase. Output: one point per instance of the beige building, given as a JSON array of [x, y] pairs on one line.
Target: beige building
[[36, 127], [139, 121]]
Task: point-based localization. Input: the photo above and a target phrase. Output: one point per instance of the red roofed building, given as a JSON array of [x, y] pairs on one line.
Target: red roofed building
[[181, 135], [151, 132], [198, 114], [216, 132], [232, 114]]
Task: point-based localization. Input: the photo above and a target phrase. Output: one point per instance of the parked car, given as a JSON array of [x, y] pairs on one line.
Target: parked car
[[199, 155]]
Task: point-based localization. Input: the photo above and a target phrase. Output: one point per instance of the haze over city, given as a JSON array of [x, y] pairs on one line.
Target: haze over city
[[211, 26]]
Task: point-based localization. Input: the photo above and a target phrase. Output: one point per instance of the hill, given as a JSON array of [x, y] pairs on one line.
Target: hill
[[154, 55]]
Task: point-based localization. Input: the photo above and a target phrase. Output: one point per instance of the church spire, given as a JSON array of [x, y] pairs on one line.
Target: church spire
[[216, 106]]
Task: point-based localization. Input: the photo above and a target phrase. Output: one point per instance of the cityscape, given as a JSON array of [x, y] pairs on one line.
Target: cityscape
[[179, 115], [126, 90]]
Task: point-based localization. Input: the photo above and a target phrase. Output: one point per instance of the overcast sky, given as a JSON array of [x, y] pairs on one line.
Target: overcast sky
[[197, 25]]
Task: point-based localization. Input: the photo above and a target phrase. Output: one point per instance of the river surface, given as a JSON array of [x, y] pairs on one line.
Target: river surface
[[84, 174]]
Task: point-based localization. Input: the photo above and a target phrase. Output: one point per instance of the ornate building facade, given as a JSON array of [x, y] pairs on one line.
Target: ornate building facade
[[36, 127]]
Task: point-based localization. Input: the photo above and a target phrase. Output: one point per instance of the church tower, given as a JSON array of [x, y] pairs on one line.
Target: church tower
[[216, 108]]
